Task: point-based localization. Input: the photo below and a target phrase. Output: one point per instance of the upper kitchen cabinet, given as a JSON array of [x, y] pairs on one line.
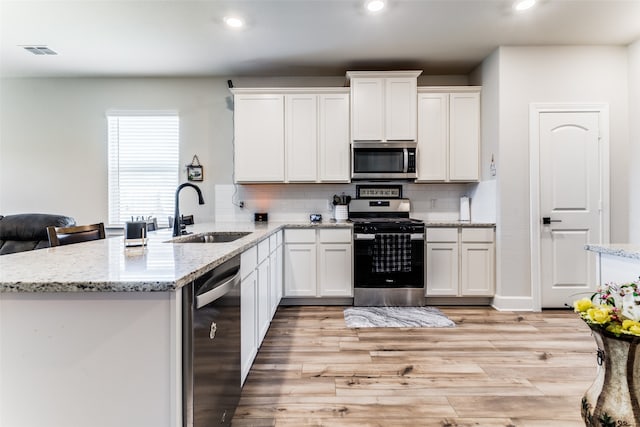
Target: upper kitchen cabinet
[[333, 123], [448, 134], [311, 130], [301, 137], [259, 137], [383, 105]]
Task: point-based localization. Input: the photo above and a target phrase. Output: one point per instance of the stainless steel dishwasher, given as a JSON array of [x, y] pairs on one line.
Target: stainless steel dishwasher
[[211, 347]]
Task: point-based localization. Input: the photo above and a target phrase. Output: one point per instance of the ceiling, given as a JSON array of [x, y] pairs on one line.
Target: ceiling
[[291, 37]]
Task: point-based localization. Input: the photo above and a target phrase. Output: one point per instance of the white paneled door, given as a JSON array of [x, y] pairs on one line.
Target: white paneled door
[[571, 188]]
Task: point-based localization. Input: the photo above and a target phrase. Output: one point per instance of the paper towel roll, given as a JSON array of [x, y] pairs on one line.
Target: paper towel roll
[[465, 208]]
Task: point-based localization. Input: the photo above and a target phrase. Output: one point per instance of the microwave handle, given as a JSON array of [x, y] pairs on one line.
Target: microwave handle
[[405, 155]]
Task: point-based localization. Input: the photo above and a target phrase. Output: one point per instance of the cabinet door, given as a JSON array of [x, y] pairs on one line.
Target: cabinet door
[[367, 109], [442, 269], [300, 270], [335, 270], [259, 138], [464, 137], [263, 305], [477, 267], [433, 136], [400, 102], [248, 323], [280, 271], [274, 294], [334, 137], [301, 137]]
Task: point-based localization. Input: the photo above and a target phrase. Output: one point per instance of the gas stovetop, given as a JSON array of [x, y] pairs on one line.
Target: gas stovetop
[[373, 225]]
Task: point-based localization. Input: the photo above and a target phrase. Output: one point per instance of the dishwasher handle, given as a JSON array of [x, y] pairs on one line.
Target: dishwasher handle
[[218, 290]]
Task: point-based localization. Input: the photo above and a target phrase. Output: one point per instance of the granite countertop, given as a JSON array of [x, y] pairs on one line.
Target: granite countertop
[[107, 266], [624, 250]]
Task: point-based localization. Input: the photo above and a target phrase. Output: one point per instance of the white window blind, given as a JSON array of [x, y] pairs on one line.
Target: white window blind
[[143, 164]]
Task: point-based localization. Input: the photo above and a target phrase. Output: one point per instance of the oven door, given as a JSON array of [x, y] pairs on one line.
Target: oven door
[[365, 275]]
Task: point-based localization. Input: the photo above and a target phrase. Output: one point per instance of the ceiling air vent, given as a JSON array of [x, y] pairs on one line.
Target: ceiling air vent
[[40, 50]]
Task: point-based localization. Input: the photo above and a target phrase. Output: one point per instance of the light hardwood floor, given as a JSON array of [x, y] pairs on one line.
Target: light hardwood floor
[[493, 369]]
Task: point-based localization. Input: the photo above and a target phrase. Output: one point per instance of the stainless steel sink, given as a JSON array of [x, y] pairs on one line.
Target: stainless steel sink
[[213, 237]]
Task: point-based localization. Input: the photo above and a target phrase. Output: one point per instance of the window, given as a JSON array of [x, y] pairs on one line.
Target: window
[[143, 164]]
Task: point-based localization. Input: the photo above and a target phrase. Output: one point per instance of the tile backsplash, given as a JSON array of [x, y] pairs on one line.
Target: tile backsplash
[[294, 202]]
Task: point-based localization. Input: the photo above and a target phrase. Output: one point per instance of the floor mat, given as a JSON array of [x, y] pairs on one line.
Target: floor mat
[[396, 317]]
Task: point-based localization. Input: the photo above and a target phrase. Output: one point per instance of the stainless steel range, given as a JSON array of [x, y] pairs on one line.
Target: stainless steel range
[[388, 249]]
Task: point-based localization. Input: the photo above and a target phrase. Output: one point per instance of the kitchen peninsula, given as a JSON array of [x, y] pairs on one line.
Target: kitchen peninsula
[[90, 334]]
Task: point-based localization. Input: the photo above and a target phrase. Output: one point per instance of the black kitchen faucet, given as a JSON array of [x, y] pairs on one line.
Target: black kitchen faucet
[[177, 225]]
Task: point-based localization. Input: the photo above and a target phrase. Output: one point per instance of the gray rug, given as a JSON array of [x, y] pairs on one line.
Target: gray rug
[[396, 317]]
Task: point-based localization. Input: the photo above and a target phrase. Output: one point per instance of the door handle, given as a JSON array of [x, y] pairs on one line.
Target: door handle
[[546, 220]]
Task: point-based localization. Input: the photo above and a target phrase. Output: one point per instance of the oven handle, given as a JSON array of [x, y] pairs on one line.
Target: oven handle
[[358, 236]]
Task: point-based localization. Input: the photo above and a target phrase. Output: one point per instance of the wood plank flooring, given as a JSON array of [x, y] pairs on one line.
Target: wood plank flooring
[[493, 369]]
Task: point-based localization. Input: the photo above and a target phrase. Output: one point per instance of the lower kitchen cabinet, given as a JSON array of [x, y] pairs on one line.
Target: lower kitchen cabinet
[[264, 307], [275, 271], [248, 311], [460, 262], [260, 294], [318, 263]]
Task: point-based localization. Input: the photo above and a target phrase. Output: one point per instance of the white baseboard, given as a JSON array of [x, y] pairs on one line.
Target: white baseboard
[[506, 303]]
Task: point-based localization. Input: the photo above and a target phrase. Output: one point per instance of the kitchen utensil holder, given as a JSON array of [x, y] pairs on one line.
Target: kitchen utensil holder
[[341, 212]]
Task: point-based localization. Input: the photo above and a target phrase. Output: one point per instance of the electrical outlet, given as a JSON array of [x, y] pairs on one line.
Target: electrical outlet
[[241, 204]]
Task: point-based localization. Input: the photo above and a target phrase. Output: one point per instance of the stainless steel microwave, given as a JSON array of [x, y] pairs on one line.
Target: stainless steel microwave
[[383, 160]]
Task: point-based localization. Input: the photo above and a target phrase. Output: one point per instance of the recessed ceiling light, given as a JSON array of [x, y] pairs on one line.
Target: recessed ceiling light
[[524, 4], [234, 21], [375, 5]]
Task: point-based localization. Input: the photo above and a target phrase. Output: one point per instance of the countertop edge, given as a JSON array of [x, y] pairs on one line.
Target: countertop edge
[[620, 250]]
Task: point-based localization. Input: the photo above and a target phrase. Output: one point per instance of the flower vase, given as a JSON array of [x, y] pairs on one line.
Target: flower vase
[[613, 399]]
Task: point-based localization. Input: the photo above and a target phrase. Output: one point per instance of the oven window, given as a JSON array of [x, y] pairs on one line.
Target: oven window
[[375, 160], [366, 277]]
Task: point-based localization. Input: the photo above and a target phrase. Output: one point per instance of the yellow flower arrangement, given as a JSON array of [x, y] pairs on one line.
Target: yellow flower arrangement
[[616, 308]]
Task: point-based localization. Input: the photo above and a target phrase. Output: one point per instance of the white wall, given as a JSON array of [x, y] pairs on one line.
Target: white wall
[[53, 152], [634, 142], [563, 75]]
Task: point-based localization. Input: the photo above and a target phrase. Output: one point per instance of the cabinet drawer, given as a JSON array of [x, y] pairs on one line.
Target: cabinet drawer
[[263, 250], [300, 236], [335, 235], [484, 235], [442, 235], [248, 261]]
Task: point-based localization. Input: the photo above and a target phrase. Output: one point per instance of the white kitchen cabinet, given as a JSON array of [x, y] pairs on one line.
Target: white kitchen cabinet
[[291, 135], [248, 311], [460, 262], [263, 291], [318, 263], [301, 137], [383, 105], [275, 272], [442, 269], [477, 262], [300, 263], [259, 149], [448, 134], [333, 124]]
